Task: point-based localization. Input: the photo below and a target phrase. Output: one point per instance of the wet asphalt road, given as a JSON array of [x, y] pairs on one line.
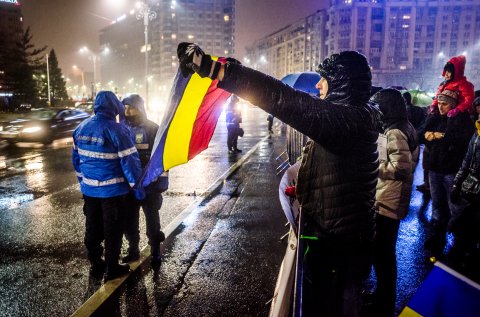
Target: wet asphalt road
[[43, 268]]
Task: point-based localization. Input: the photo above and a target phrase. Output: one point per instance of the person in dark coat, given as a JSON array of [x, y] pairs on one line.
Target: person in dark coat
[[465, 254], [416, 115], [270, 123], [338, 174], [394, 188], [233, 118], [144, 132], [447, 140]]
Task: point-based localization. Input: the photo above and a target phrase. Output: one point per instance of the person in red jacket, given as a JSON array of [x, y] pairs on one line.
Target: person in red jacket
[[455, 80]]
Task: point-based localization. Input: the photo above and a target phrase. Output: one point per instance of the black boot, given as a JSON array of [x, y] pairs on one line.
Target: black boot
[[97, 269], [116, 271], [131, 257]]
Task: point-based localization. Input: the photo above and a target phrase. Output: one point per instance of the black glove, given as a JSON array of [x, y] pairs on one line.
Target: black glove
[[193, 59], [455, 194]]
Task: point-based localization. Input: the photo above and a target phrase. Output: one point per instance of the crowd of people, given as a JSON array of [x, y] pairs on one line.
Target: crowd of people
[[356, 175], [354, 183]]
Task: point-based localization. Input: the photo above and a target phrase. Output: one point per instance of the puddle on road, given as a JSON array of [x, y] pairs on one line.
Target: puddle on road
[[12, 202]]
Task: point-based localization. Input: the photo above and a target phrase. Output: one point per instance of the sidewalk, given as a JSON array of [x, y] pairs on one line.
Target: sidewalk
[[223, 259]]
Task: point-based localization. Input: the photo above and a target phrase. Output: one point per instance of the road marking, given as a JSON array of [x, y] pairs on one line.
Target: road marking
[[107, 289]]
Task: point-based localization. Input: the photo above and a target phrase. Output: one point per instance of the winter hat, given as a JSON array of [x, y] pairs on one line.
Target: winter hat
[[134, 101], [348, 76], [449, 96], [476, 102]]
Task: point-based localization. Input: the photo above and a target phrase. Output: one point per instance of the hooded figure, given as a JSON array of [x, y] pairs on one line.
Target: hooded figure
[[107, 166], [338, 175], [144, 132], [455, 80], [394, 187]]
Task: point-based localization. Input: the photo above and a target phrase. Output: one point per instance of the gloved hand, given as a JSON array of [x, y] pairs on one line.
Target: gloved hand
[[452, 113], [429, 136], [140, 193], [193, 59], [455, 194]]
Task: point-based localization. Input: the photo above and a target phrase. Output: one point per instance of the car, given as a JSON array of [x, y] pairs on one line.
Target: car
[[85, 106], [42, 125]]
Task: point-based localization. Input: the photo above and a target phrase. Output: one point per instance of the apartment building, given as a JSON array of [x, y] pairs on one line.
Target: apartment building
[[210, 23], [406, 42]]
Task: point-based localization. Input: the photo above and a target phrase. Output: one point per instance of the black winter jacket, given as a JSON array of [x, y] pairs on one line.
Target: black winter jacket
[[338, 175], [446, 154], [471, 161]]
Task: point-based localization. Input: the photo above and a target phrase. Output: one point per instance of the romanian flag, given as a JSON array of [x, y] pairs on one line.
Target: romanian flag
[[188, 125], [444, 293]]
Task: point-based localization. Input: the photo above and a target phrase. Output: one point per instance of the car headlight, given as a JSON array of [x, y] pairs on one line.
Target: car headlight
[[31, 129]]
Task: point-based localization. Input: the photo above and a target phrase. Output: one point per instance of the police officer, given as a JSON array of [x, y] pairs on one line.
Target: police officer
[[107, 165], [144, 132]]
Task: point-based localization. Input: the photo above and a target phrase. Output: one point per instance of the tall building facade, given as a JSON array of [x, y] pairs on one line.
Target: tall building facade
[[11, 30], [210, 23], [406, 42], [295, 48]]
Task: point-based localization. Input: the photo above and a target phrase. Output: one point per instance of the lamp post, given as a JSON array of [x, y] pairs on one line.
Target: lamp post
[[83, 78], [93, 57], [147, 16], [48, 81]]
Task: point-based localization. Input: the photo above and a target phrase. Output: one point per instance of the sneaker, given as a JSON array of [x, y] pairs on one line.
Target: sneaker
[[231, 151], [131, 257], [97, 269], [237, 151], [116, 271]]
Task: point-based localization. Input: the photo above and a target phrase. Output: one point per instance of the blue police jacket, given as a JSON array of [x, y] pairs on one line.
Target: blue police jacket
[[104, 157]]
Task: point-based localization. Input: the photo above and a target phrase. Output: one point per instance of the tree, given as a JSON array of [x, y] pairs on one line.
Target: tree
[[22, 71], [58, 91]]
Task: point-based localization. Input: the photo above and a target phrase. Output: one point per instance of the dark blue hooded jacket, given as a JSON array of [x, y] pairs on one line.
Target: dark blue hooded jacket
[[144, 133], [105, 159]]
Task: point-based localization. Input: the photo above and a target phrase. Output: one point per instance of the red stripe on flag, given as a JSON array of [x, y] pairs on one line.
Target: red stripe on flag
[[207, 118]]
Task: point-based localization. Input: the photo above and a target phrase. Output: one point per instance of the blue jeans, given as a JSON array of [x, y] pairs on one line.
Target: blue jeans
[[443, 209]]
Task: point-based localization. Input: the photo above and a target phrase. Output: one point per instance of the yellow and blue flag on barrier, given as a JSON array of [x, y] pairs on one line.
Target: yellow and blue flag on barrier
[[188, 125], [444, 293]]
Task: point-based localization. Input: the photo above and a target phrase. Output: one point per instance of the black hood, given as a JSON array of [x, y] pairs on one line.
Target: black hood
[[348, 76], [394, 110]]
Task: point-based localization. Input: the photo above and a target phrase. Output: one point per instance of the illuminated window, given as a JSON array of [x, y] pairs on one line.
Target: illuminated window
[[190, 36], [174, 36], [403, 67], [226, 18], [406, 17]]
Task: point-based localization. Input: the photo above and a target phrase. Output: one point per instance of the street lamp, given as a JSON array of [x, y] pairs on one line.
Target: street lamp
[[83, 78], [147, 15], [48, 81], [93, 56]]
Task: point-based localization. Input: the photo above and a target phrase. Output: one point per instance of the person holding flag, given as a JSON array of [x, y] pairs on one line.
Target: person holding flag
[[338, 176], [144, 132]]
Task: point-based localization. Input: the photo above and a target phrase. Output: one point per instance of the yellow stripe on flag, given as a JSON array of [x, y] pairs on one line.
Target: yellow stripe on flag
[[408, 312], [179, 134]]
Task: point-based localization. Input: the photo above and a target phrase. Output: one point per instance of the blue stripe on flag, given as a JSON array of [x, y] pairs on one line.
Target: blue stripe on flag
[[155, 167], [446, 293]]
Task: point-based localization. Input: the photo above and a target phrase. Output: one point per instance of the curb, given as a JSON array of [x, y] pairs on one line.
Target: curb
[[96, 301]]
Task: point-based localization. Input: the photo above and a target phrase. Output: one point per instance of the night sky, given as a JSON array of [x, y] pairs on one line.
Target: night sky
[[67, 25]]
